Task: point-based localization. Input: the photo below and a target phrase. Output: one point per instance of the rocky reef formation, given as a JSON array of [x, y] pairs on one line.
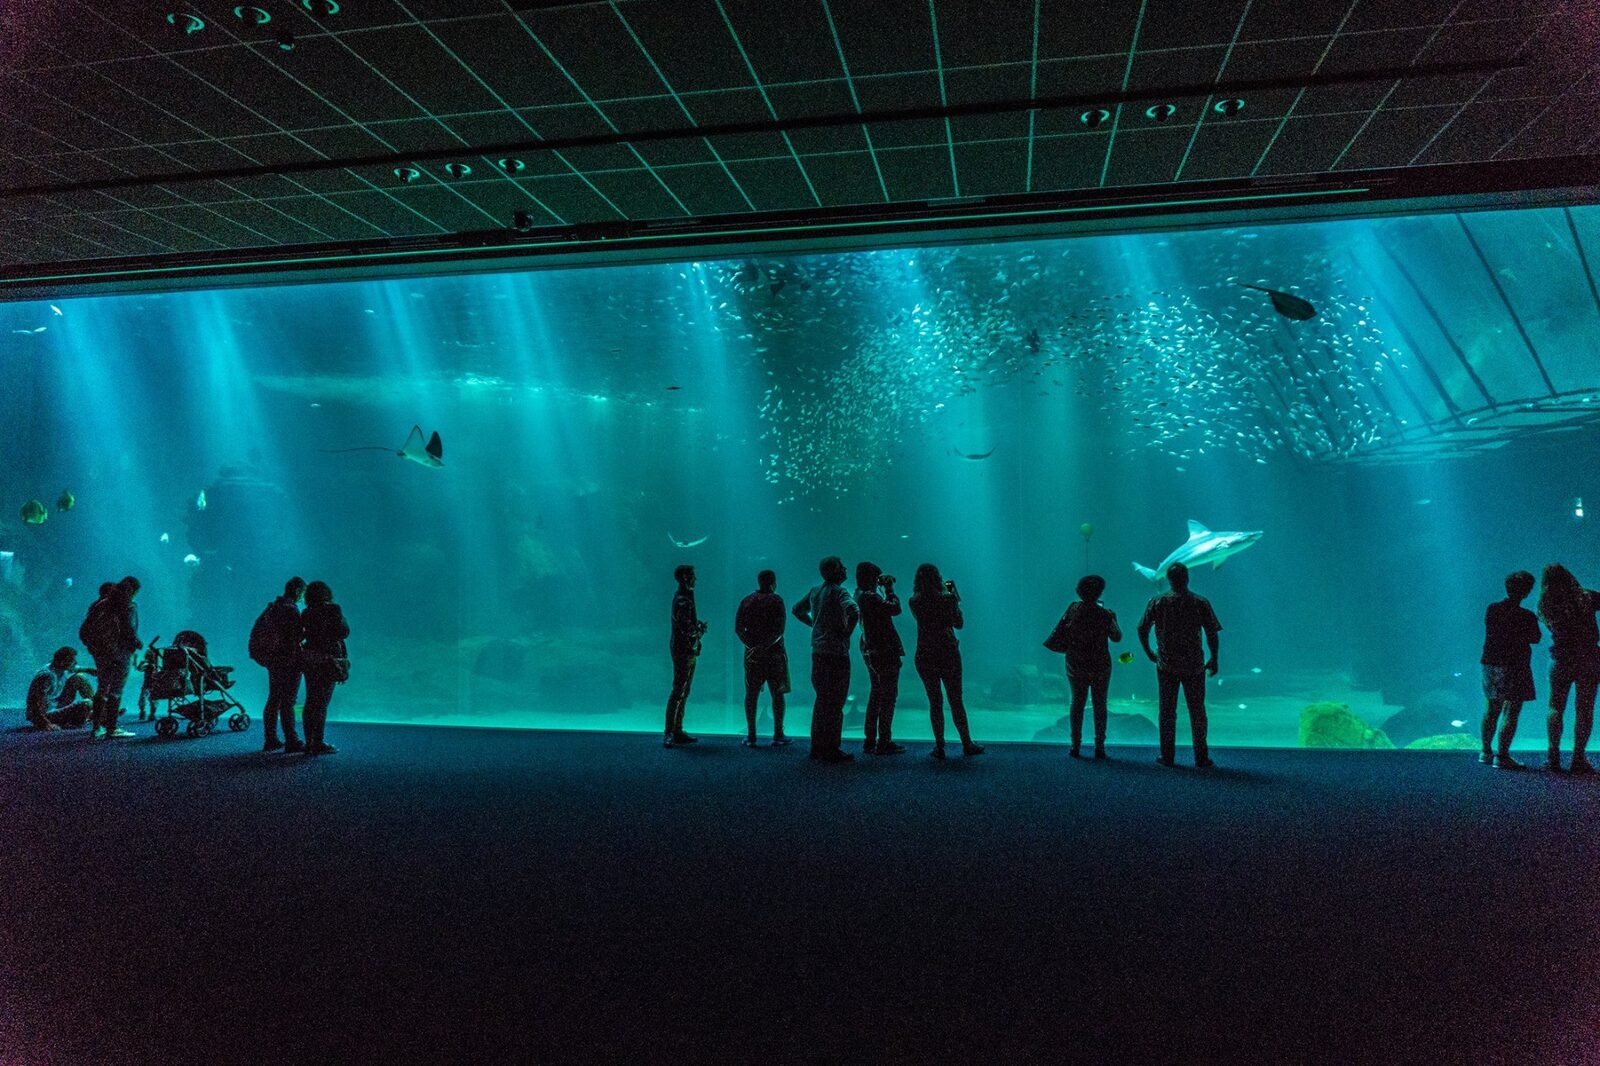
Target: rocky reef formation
[[1334, 725]]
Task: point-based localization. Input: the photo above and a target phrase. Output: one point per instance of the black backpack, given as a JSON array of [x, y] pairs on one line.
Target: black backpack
[[265, 639], [95, 633]]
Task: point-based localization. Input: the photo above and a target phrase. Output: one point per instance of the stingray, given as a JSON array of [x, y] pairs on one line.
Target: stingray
[[430, 454], [676, 543], [1292, 307]]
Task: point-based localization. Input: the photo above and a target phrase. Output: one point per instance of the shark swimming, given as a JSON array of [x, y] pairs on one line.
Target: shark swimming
[[1203, 546]]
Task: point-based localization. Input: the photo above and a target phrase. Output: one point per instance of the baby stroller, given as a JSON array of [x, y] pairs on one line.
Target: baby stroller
[[195, 691]]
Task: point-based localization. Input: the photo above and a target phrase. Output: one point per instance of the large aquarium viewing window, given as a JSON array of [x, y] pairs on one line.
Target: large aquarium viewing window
[[1017, 413]]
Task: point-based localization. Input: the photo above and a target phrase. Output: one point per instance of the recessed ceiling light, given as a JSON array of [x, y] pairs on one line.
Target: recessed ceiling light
[[457, 170], [185, 23], [512, 165], [1095, 117], [286, 41], [1160, 112], [407, 174], [321, 7], [256, 16], [1228, 107]]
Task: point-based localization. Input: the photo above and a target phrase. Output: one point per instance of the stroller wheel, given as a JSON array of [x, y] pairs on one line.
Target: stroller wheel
[[238, 721], [166, 728], [194, 729]]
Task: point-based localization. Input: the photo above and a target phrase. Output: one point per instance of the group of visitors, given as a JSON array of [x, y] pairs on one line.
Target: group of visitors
[[1178, 619], [1510, 631], [290, 643]]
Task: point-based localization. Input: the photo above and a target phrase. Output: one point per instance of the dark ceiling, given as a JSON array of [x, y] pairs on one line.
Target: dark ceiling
[[273, 152]]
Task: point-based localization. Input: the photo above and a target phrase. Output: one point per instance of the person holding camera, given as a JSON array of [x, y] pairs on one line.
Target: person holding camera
[[883, 654], [936, 605], [687, 629], [832, 615], [759, 623]]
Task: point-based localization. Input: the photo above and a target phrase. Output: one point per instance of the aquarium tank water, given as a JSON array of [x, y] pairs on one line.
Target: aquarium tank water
[[1016, 413]]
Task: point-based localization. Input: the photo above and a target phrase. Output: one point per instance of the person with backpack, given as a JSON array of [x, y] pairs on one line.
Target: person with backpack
[[275, 644], [110, 633]]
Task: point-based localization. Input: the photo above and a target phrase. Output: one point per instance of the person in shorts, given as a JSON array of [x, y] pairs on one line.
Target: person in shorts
[[1510, 631], [759, 623]]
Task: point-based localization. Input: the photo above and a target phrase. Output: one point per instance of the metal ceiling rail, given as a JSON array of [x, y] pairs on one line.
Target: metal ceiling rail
[[1238, 88]]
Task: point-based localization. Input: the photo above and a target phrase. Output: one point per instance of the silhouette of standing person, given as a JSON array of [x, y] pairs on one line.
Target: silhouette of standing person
[[883, 654], [687, 629], [759, 624], [279, 631], [1179, 617], [1510, 631], [832, 615], [936, 605], [1083, 634], [324, 661], [1568, 610], [110, 633]]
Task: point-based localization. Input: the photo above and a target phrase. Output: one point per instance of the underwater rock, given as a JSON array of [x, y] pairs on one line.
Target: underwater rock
[[1026, 684], [1445, 742], [586, 687], [1433, 713], [503, 660], [1120, 729], [1333, 725]]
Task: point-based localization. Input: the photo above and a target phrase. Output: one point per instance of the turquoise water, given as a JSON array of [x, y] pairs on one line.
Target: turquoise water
[[970, 406]]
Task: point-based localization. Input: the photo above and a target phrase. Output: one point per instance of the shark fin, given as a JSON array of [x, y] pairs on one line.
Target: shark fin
[[1197, 530], [1216, 564], [1147, 573]]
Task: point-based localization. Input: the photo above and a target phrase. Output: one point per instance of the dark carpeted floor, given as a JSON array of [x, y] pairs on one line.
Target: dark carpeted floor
[[434, 895]]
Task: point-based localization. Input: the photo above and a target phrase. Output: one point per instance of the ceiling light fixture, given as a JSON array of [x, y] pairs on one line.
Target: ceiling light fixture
[[512, 165], [321, 7], [458, 170], [522, 221], [286, 41], [1228, 107], [1095, 117], [1160, 112], [185, 23], [407, 175], [256, 16]]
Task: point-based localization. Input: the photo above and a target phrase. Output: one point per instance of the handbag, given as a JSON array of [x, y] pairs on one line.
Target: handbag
[[1057, 640]]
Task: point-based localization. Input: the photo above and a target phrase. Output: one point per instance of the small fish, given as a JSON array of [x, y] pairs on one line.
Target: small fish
[[165, 538], [66, 501], [1255, 669], [34, 514], [1125, 658], [200, 501], [56, 309], [1422, 502], [676, 543], [69, 582], [191, 560], [30, 332], [674, 388]]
